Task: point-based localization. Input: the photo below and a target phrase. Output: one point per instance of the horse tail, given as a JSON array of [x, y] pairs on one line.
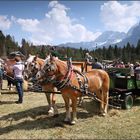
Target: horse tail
[[105, 92]]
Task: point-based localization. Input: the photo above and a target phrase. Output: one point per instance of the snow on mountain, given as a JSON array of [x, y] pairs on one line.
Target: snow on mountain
[[105, 39], [110, 38], [132, 36]]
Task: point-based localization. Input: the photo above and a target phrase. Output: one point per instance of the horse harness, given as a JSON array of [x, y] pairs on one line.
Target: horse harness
[[65, 82]]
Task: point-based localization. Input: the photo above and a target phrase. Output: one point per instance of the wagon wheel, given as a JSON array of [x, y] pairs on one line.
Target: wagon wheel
[[128, 102]]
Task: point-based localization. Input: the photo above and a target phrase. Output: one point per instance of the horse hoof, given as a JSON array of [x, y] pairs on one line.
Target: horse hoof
[[73, 122], [51, 113], [102, 114]]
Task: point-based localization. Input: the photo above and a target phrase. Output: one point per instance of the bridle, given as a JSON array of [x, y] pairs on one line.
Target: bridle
[[49, 70], [31, 68], [65, 81]]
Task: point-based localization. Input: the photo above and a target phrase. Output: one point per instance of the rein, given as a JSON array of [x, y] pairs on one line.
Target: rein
[[63, 82]]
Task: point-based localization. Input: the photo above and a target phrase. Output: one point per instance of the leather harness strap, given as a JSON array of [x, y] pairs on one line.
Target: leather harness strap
[[66, 81]]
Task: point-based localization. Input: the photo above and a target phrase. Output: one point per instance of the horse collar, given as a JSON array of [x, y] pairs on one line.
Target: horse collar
[[66, 79]]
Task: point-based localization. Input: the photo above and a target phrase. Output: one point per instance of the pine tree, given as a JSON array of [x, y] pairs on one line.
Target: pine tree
[[2, 44]]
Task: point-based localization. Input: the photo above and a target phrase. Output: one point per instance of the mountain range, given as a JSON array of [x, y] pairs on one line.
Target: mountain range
[[109, 38]]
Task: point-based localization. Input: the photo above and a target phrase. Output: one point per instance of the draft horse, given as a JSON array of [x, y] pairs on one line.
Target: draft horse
[[8, 68], [32, 65], [74, 84], [9, 74]]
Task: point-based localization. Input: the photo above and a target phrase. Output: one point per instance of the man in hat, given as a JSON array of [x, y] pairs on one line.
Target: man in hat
[[18, 69]]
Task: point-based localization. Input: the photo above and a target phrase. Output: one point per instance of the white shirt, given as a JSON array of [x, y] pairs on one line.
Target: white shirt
[[18, 70]]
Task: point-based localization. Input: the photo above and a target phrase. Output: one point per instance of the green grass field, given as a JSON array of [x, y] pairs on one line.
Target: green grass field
[[30, 120]]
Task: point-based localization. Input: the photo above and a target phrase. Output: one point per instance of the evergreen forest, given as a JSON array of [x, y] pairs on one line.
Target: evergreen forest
[[127, 53]]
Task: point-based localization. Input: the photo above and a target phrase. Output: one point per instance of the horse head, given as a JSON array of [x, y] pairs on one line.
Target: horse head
[[48, 70], [54, 70], [8, 66], [32, 65]]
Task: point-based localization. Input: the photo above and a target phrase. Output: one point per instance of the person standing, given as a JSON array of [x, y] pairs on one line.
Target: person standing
[[96, 64], [88, 59], [18, 69]]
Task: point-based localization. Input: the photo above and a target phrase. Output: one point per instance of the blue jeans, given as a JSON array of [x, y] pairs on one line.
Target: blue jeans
[[19, 84]]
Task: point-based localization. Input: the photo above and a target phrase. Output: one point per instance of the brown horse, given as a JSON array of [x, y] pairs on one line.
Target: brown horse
[[33, 65], [73, 84], [8, 68]]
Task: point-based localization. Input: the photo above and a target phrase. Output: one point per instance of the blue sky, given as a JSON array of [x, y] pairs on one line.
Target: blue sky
[[56, 22]]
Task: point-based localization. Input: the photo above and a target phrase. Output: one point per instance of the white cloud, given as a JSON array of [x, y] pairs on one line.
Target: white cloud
[[82, 33], [120, 17], [28, 24], [5, 23], [13, 19], [56, 27]]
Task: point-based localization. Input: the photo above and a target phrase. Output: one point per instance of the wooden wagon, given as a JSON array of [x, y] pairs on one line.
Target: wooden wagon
[[124, 88]]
